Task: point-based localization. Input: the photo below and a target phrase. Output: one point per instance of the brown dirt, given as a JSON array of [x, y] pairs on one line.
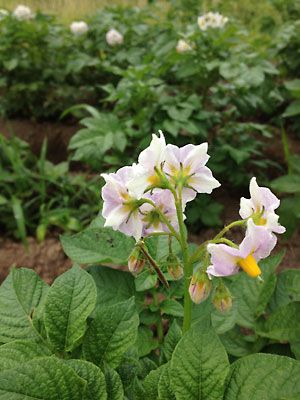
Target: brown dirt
[[57, 134], [46, 258]]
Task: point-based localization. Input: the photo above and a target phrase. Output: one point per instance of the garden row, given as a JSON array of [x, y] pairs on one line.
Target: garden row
[[206, 79]]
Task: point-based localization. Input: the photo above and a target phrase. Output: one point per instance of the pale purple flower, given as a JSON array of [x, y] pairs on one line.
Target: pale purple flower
[[79, 28], [183, 46], [261, 206], [23, 13], [119, 207], [188, 163], [149, 159], [164, 200], [257, 244]]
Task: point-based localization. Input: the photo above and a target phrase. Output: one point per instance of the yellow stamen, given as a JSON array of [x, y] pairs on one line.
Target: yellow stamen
[[154, 180], [261, 221], [250, 266]]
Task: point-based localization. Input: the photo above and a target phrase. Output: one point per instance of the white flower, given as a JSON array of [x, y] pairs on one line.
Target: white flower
[[79, 27], [114, 37], [257, 244], [211, 20], [183, 46], [23, 13], [149, 159], [261, 207], [3, 13]]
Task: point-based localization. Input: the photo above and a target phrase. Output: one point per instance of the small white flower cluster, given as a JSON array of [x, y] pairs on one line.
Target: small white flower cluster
[[23, 13], [114, 37], [79, 28], [3, 13], [211, 20], [182, 46]]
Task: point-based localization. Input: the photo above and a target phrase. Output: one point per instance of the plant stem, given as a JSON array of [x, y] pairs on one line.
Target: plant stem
[[153, 265], [228, 227], [187, 265]]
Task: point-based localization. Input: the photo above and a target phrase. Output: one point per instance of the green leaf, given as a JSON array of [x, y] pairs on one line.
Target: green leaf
[[96, 385], [263, 376], [111, 333], [294, 87], [69, 302], [164, 384], [199, 366], [113, 286], [287, 289], [145, 280], [44, 379], [98, 245], [114, 385], [292, 110], [14, 353], [240, 344], [19, 218], [171, 339], [295, 347], [283, 324], [20, 296], [151, 383], [145, 341], [172, 307], [251, 295], [287, 184]]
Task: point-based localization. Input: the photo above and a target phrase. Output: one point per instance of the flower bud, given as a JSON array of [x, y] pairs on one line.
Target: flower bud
[[175, 269], [222, 299], [136, 261], [200, 287]]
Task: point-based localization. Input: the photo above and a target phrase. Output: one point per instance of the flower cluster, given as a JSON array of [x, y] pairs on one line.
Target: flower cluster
[[211, 20], [139, 200], [259, 241], [114, 37], [23, 13], [79, 28]]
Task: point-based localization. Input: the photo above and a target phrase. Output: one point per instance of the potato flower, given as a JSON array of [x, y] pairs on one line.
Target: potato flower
[[186, 165], [120, 208], [257, 244], [79, 27], [23, 13], [183, 46], [114, 37], [211, 20], [260, 207]]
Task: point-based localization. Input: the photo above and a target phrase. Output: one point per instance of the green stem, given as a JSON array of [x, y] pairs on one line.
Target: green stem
[[153, 264], [228, 227], [187, 265]]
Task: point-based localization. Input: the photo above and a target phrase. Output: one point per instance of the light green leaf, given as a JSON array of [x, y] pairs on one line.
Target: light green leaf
[[295, 347], [96, 385], [263, 376], [151, 383], [145, 341], [113, 286], [292, 110], [283, 324], [164, 384], [114, 385], [145, 280], [287, 184], [239, 344], [44, 379], [98, 245], [251, 295], [69, 302], [111, 333], [14, 353], [20, 295], [171, 339], [287, 289], [199, 366], [172, 307]]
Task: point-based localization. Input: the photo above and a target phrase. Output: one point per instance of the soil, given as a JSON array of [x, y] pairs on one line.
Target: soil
[[57, 134]]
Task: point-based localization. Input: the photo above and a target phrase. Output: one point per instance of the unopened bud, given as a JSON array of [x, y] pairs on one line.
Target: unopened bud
[[136, 261], [222, 299], [175, 269], [200, 287]]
